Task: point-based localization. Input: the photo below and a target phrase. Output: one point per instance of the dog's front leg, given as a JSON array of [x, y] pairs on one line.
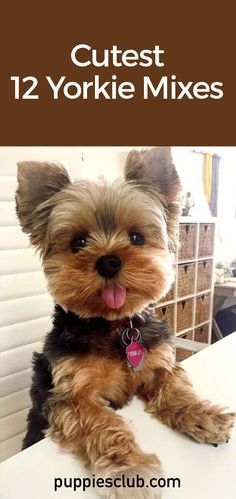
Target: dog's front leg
[[81, 423], [169, 396]]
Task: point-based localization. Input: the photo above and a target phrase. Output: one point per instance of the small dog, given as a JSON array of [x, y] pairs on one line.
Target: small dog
[[107, 253]]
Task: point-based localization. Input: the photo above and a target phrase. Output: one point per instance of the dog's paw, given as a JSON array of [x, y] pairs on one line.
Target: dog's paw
[[208, 423], [137, 481]]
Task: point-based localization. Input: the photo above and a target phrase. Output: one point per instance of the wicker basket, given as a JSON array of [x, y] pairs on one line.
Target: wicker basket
[[204, 275], [187, 237], [181, 353], [202, 308], [186, 274], [201, 334], [166, 313], [169, 296], [184, 314], [206, 239]]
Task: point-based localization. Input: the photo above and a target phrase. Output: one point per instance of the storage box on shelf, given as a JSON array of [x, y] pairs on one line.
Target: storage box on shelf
[[201, 334], [187, 236], [187, 307], [167, 313], [202, 308], [184, 315], [169, 296], [204, 275], [186, 277], [206, 239], [181, 353]]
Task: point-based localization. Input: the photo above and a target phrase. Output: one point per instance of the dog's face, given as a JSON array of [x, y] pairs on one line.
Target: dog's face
[[106, 249]]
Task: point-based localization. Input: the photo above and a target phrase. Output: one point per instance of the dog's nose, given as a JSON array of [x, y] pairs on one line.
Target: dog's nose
[[108, 266]]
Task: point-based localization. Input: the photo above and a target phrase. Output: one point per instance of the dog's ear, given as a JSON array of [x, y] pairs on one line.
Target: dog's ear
[[37, 184], [153, 170]]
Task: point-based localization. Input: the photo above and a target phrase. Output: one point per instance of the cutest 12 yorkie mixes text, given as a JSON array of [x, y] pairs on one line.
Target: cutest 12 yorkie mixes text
[[107, 253]]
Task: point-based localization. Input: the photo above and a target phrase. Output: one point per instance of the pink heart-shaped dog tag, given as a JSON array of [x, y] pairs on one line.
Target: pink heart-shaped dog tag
[[135, 354]]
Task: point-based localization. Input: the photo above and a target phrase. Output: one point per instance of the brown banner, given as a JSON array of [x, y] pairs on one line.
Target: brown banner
[[198, 43]]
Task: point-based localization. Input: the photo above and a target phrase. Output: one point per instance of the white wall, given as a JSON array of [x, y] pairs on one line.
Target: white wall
[[25, 308], [190, 168]]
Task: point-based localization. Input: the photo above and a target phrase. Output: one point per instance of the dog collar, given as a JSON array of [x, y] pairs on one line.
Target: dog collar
[[119, 323], [137, 319]]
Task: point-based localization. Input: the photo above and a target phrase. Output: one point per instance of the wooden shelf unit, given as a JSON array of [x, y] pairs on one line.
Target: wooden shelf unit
[[188, 306]]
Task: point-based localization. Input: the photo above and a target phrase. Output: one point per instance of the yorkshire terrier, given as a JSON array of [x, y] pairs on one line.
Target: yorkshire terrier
[[107, 253]]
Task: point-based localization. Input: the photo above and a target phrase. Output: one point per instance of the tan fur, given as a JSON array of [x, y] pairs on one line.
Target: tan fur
[[37, 182], [74, 283], [153, 169], [54, 212], [82, 424], [173, 400], [72, 278], [80, 421]]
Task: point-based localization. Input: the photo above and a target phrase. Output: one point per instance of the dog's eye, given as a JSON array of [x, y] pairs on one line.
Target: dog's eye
[[136, 238], [78, 243]]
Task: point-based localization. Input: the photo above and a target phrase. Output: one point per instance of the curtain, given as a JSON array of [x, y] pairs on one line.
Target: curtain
[[207, 175], [215, 184], [211, 180]]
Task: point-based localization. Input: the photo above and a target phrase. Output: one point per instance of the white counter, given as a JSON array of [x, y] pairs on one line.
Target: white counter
[[205, 472]]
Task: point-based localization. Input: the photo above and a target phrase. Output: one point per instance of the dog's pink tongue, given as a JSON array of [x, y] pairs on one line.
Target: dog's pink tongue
[[114, 296]]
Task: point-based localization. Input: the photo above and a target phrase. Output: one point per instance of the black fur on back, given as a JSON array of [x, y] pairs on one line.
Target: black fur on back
[[39, 392]]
